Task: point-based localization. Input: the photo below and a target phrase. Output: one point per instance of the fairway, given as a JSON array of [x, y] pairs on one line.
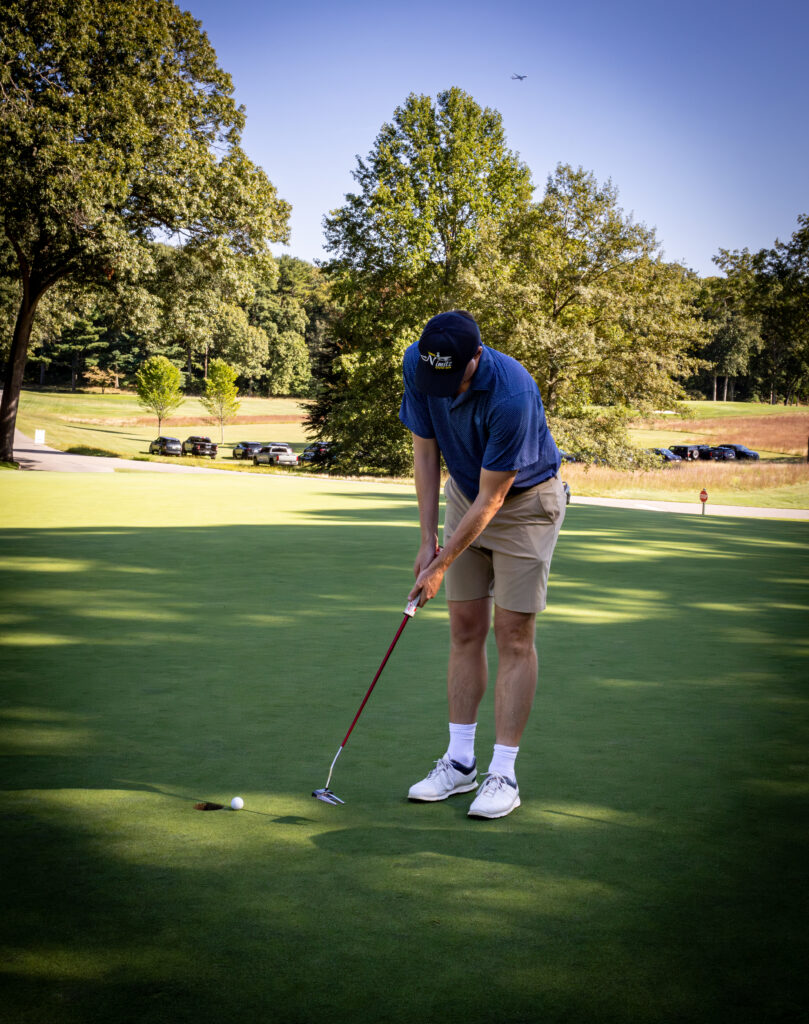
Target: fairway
[[167, 640]]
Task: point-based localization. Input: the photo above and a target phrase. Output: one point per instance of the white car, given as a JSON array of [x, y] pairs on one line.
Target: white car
[[275, 454]]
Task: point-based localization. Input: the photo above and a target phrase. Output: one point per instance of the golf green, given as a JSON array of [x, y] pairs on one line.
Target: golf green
[[167, 640]]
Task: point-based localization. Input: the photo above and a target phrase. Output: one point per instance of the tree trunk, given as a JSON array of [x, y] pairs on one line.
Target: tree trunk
[[74, 371], [725, 392], [714, 387], [206, 363], [41, 375], [14, 373]]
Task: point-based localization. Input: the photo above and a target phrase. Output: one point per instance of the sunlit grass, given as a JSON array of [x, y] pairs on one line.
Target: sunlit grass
[[224, 631]]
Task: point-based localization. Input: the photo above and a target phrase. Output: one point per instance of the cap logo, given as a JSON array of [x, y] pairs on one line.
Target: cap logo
[[437, 361]]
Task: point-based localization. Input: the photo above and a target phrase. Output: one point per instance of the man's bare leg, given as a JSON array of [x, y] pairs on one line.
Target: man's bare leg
[[468, 672], [516, 674]]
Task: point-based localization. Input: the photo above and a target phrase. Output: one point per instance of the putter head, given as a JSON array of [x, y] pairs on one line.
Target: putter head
[[326, 796]]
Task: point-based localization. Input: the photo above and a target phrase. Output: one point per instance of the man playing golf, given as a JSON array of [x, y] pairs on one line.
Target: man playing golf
[[482, 411]]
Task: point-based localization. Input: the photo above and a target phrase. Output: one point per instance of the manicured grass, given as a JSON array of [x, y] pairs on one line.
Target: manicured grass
[[173, 639], [715, 410]]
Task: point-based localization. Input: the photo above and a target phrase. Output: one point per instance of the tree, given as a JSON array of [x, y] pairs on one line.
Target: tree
[[116, 124], [577, 291], [779, 297], [278, 311], [158, 384], [399, 246], [220, 394], [733, 330]]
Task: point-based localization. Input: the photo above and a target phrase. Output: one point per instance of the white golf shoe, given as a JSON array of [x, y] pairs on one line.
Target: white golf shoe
[[497, 797], [446, 779]]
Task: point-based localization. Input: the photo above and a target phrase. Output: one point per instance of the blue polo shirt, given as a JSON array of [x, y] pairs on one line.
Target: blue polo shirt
[[498, 423]]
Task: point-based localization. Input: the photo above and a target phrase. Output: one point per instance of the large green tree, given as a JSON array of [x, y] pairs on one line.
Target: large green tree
[[116, 124], [578, 292], [733, 330], [399, 246], [779, 298]]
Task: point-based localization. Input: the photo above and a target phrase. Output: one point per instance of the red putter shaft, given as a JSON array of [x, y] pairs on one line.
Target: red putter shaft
[[407, 617], [325, 794]]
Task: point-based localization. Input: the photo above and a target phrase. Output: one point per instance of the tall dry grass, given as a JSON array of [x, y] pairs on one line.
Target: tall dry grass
[[753, 481], [786, 434]]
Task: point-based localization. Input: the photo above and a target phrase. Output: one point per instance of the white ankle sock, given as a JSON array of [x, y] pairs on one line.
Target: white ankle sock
[[462, 743], [502, 762]]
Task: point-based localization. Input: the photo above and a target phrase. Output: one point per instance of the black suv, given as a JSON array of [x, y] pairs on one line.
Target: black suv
[[687, 452], [713, 453], [319, 452], [742, 452], [166, 446], [247, 449], [201, 446]]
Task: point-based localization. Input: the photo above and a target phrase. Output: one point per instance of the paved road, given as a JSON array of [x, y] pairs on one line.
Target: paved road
[[39, 457]]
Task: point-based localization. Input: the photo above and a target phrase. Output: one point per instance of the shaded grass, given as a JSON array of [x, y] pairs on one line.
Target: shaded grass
[[184, 639]]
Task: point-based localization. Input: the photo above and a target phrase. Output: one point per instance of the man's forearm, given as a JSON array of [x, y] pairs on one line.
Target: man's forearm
[[427, 475]]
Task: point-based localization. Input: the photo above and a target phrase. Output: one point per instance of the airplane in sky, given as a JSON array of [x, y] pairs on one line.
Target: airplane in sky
[[518, 78]]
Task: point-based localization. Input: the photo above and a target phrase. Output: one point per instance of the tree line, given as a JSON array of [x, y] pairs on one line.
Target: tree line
[[135, 226]]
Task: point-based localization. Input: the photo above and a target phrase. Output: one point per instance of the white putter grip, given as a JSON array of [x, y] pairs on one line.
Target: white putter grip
[[411, 607]]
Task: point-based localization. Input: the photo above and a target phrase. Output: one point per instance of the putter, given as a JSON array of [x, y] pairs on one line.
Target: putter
[[326, 794]]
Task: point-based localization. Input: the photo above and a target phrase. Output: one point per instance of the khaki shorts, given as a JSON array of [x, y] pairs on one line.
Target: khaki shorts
[[511, 559]]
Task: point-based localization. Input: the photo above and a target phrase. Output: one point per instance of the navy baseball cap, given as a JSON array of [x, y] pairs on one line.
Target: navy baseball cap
[[446, 345]]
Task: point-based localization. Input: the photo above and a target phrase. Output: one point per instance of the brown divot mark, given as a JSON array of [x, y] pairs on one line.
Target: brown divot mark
[[206, 806]]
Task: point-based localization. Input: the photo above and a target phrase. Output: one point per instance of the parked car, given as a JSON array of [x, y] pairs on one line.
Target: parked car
[[687, 452], [713, 453], [275, 454], [247, 449], [166, 446], [319, 452], [201, 446], [567, 457], [666, 454], [742, 452]]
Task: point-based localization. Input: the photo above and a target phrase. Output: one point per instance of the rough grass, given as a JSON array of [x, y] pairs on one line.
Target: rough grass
[[786, 434], [172, 640], [766, 484]]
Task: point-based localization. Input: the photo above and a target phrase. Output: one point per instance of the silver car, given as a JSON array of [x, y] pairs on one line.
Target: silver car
[[275, 454]]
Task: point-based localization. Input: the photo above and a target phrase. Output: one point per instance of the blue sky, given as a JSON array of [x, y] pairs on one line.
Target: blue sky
[[696, 111]]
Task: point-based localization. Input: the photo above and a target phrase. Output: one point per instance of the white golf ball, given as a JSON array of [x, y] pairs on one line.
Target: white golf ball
[[237, 803]]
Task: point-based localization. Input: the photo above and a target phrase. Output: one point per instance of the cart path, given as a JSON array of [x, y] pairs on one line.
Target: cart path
[[32, 456], [694, 508]]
